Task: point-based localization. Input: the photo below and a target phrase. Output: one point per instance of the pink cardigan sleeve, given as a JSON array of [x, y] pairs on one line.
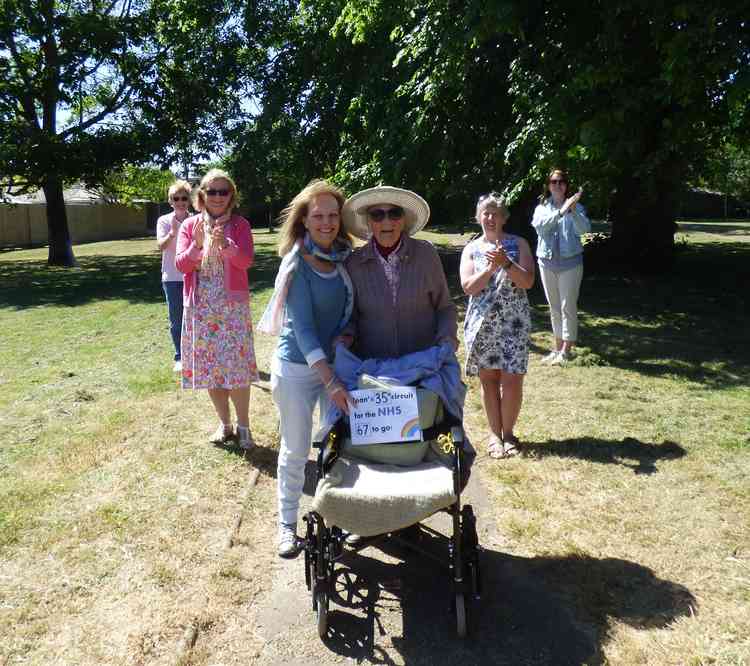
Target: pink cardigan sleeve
[[188, 255], [240, 249]]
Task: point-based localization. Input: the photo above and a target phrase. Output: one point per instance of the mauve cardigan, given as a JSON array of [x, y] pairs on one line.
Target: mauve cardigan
[[424, 314]]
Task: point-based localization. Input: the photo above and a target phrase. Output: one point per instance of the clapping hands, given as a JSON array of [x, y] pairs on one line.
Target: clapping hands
[[199, 235], [571, 201], [218, 237], [496, 257]]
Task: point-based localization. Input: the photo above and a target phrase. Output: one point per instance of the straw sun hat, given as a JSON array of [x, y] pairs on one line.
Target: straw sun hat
[[354, 213]]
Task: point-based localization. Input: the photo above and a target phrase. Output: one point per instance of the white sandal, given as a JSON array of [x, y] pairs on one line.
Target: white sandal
[[495, 448], [223, 433]]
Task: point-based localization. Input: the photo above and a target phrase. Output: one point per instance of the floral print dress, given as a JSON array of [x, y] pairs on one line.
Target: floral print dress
[[498, 320], [217, 338]]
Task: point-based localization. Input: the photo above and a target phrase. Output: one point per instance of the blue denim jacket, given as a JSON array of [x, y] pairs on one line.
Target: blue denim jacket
[[548, 223]]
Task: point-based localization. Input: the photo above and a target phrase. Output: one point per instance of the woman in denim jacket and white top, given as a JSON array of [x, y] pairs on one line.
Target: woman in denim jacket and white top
[[559, 222], [311, 304]]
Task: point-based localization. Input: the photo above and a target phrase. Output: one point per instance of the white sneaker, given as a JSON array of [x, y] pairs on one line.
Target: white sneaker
[[562, 359], [177, 367], [288, 542], [550, 358]]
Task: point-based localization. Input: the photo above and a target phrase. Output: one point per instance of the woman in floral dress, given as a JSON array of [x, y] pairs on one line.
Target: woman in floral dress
[[496, 271], [214, 251]]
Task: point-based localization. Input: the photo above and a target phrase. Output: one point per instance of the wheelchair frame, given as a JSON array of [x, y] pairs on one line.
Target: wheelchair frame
[[325, 545]]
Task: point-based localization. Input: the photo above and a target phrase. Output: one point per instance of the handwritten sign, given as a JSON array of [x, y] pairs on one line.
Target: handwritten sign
[[385, 416]]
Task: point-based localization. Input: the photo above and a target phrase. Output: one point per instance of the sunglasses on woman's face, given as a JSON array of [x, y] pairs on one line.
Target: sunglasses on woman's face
[[558, 182], [217, 193], [179, 199], [379, 214]]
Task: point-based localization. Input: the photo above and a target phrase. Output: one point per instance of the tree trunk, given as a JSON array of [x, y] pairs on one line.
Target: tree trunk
[[60, 246], [643, 224]]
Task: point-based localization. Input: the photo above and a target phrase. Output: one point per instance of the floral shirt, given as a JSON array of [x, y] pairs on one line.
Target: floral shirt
[[392, 267]]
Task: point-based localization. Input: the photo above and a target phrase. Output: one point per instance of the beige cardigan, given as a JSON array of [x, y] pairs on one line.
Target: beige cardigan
[[424, 314]]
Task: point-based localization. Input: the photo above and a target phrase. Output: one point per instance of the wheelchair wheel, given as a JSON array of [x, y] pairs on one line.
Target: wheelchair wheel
[[470, 550], [460, 615], [469, 538], [310, 558], [472, 574], [350, 590], [321, 603], [310, 574]]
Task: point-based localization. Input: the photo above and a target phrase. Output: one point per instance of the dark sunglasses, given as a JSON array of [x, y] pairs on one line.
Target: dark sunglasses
[[378, 214], [217, 193], [180, 198], [556, 181]]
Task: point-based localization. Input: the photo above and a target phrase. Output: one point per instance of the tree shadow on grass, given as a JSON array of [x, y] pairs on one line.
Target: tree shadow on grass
[[554, 610], [689, 323], [639, 456], [135, 278]]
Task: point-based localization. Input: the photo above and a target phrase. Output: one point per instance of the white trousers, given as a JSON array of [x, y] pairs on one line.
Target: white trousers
[[295, 398], [561, 290]]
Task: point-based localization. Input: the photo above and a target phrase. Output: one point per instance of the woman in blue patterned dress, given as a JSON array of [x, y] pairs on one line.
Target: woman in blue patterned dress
[[496, 270]]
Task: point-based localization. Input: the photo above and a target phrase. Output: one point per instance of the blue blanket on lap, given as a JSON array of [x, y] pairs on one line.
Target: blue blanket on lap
[[436, 369]]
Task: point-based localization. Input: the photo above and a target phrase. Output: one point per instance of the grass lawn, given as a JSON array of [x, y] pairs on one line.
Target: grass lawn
[[632, 501]]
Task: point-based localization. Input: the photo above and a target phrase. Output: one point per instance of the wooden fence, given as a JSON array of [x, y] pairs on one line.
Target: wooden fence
[[25, 225]]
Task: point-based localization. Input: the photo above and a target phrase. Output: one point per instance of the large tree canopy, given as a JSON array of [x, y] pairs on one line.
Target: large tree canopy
[[86, 86], [457, 98], [632, 96], [635, 98]]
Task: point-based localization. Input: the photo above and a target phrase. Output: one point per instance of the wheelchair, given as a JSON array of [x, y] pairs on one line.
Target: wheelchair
[[443, 476]]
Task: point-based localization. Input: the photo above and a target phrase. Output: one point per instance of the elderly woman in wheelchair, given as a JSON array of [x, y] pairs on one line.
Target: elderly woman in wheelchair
[[400, 455]]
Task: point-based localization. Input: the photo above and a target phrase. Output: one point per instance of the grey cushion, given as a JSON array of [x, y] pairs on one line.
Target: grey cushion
[[371, 499]]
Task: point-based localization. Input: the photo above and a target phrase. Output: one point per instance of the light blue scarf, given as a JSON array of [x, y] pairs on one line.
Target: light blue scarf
[[273, 318], [338, 253]]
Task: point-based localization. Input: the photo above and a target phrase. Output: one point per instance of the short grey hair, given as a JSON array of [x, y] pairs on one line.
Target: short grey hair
[[494, 200]]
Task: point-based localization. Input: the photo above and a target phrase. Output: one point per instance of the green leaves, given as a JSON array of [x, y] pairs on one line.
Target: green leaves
[[133, 183]]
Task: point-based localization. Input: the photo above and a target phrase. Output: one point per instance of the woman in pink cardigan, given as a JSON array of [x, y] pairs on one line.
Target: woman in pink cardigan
[[214, 251]]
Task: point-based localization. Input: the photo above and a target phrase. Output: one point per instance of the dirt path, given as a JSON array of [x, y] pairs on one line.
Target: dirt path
[[407, 617]]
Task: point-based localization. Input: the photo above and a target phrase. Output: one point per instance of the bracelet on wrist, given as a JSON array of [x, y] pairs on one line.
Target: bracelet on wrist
[[330, 382]]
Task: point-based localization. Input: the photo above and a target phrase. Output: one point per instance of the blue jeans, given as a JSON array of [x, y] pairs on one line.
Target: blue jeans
[[173, 294]]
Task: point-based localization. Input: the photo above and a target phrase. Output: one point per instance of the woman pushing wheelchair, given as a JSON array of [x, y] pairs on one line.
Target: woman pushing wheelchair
[[402, 333]]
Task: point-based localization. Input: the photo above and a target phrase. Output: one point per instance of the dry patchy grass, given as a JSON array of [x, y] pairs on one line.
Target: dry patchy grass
[[631, 501]]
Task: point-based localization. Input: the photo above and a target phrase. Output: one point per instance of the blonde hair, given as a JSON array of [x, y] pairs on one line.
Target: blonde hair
[[493, 200], [179, 186], [293, 216], [200, 194]]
